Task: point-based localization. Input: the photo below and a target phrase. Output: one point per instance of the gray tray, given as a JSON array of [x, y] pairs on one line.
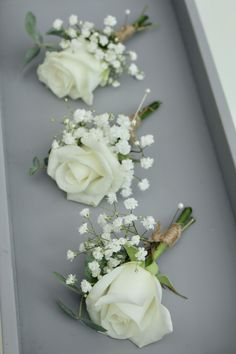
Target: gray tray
[[38, 225]]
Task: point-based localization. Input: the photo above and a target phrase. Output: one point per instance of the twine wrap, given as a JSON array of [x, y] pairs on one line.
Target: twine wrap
[[125, 33], [170, 236], [135, 124]]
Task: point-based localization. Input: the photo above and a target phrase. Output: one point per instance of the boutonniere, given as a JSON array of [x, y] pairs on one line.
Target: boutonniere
[[120, 293], [95, 154], [85, 57]]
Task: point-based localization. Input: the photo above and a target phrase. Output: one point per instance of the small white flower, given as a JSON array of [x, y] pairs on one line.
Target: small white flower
[[116, 64], [122, 241], [102, 219], [106, 236], [108, 228], [82, 247], [70, 255], [148, 222], [119, 48], [99, 54], [79, 132], [85, 212], [130, 203], [57, 24], [123, 147], [107, 30], [144, 184], [92, 47], [85, 286], [102, 120], [83, 228], [113, 262], [146, 140], [55, 144], [82, 116], [95, 268], [133, 55], [64, 44], [128, 219], [135, 240], [108, 253], [116, 83], [71, 32], [133, 69], [126, 192], [85, 32], [146, 162], [123, 121], [115, 245], [140, 76], [103, 40], [111, 198], [117, 223], [71, 279], [110, 21], [141, 254], [73, 20], [127, 164], [89, 25], [68, 138], [97, 253]]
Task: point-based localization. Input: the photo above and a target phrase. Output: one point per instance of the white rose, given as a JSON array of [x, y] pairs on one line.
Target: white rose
[[73, 72], [86, 173], [127, 303]]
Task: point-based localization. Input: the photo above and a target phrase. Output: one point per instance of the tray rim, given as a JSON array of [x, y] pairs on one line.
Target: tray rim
[[212, 96], [8, 292]]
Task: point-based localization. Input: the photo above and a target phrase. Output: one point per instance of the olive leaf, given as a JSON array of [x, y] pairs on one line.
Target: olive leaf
[[131, 251], [165, 282], [92, 325], [69, 286], [66, 309], [59, 33], [35, 166], [30, 26], [31, 53]]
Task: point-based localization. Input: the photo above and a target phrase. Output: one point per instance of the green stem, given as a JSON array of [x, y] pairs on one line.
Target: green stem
[[185, 220]]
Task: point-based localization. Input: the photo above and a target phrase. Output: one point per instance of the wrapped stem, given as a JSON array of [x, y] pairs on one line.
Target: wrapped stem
[[174, 232]]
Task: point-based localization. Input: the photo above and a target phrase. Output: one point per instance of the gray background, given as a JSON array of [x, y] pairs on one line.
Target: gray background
[[44, 224]]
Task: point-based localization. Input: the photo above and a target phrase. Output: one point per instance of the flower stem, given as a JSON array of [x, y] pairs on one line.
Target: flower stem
[[185, 220]]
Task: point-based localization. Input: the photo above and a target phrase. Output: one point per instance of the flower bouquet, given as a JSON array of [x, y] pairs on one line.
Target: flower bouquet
[[85, 57], [121, 292], [95, 155]]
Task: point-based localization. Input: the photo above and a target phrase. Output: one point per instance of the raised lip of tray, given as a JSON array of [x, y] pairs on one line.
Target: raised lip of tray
[[8, 298], [216, 110], [221, 128]]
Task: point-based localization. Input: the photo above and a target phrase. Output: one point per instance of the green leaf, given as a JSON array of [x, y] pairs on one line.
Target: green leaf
[[67, 310], [146, 111], [165, 282], [31, 53], [35, 166], [59, 33], [152, 268], [30, 26], [131, 251], [92, 325], [63, 281]]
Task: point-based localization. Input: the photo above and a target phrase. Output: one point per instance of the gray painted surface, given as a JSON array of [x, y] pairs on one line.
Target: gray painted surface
[[44, 224]]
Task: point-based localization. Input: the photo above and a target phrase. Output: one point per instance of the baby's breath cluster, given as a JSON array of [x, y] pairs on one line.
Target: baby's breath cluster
[[108, 244], [103, 44], [85, 126]]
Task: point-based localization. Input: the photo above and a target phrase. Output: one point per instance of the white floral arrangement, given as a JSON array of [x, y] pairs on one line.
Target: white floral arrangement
[[95, 155], [85, 57], [120, 293]]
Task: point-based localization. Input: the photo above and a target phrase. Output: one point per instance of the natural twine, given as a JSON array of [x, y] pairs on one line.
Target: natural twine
[[135, 124], [125, 33], [170, 236]]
